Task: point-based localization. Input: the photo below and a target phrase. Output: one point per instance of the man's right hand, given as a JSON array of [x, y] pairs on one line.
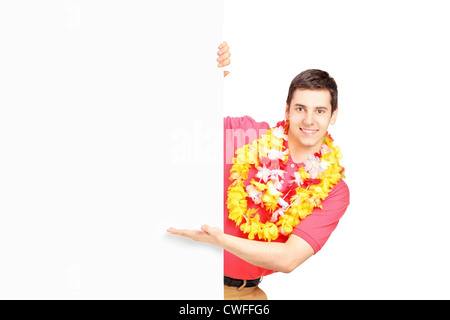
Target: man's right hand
[[224, 57]]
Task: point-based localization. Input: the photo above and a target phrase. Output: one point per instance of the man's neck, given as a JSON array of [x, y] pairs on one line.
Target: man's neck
[[300, 153]]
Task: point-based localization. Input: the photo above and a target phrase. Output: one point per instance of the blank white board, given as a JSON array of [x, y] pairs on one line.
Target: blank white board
[[110, 132]]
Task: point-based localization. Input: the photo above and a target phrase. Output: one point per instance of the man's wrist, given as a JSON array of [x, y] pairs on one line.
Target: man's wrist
[[221, 240]]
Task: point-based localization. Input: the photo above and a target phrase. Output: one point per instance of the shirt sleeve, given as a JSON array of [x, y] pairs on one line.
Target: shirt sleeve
[[318, 226]]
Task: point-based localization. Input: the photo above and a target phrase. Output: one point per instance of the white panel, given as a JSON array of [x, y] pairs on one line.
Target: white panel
[[110, 132]]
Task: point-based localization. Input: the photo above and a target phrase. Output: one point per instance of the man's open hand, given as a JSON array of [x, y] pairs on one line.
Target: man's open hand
[[207, 234]]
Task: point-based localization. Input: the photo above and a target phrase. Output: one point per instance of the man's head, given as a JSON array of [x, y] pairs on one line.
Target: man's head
[[311, 107], [314, 79]]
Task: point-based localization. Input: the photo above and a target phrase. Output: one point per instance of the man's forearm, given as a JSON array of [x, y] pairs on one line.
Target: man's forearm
[[283, 257], [269, 255]]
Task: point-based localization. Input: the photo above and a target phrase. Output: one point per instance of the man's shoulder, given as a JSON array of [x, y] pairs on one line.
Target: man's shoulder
[[239, 131], [244, 123]]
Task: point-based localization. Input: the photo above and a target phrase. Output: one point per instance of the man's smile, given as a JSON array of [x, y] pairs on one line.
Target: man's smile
[[309, 132]]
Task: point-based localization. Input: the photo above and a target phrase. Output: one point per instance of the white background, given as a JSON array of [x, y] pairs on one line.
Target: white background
[[390, 60], [105, 107]]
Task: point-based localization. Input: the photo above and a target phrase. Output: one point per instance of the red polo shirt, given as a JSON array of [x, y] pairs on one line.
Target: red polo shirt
[[315, 229]]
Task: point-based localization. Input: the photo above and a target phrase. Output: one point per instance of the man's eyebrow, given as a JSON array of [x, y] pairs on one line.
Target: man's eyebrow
[[317, 107]]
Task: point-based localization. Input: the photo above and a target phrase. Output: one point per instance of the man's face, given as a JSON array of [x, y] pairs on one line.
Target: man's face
[[310, 115]]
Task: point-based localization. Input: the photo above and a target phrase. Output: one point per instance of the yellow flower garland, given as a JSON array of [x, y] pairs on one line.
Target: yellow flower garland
[[313, 187]]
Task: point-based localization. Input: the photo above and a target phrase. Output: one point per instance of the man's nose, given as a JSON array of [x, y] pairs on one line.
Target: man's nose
[[308, 119]]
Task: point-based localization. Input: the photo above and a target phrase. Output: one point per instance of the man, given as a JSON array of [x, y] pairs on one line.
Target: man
[[281, 203]]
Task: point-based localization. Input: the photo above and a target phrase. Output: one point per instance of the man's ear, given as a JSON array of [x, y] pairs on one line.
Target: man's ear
[[334, 116], [286, 112]]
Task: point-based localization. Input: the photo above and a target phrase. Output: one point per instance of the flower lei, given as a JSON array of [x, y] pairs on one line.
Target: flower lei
[[313, 182]]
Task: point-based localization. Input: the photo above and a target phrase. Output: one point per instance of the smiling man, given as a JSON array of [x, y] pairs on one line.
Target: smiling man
[[310, 112], [283, 192]]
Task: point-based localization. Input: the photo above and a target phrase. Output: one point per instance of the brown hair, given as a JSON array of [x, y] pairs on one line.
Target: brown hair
[[314, 79]]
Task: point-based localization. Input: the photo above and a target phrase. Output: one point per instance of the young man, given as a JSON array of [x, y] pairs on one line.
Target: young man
[[284, 193]]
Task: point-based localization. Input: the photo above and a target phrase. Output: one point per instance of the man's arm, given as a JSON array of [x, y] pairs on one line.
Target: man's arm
[[283, 257]]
